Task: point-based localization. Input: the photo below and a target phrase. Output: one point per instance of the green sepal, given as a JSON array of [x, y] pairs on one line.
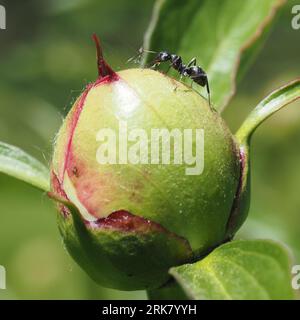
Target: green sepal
[[120, 259]]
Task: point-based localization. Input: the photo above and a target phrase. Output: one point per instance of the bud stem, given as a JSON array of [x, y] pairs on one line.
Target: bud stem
[[271, 104]]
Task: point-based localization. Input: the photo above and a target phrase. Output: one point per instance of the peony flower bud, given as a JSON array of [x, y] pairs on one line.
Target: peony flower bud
[[151, 173]]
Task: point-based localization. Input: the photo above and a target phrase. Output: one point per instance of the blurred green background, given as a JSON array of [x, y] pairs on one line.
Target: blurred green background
[[46, 57]]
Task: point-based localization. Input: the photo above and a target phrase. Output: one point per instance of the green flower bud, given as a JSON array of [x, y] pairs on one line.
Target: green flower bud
[[137, 211]]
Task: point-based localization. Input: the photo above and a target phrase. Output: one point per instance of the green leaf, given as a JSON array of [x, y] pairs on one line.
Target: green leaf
[[271, 104], [239, 270], [17, 163], [217, 33]]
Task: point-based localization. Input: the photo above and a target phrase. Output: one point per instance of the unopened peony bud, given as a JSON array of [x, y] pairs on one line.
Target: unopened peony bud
[[152, 172]]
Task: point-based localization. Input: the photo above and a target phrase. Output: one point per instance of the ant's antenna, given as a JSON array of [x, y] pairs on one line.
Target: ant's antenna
[[138, 56], [148, 51]]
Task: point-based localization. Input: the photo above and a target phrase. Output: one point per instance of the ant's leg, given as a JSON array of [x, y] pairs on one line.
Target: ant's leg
[[168, 69], [204, 83], [136, 58], [202, 80], [193, 62], [153, 65], [208, 92], [176, 87]]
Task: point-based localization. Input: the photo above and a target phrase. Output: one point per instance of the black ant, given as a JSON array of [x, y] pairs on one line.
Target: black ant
[[191, 70]]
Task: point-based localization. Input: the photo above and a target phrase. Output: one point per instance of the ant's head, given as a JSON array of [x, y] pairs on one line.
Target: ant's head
[[163, 56]]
